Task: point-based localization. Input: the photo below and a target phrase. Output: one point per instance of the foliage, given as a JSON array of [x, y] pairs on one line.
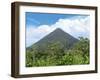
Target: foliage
[[55, 54]]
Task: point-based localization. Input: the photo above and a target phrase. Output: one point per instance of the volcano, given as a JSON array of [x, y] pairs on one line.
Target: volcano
[[58, 35]]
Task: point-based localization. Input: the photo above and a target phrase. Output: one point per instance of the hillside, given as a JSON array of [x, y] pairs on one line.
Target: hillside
[[58, 48]]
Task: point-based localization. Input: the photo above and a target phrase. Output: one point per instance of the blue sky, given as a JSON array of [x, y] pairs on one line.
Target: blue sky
[[46, 18], [39, 25]]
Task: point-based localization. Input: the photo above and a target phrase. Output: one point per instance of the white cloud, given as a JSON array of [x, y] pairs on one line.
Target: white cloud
[[33, 34], [77, 26]]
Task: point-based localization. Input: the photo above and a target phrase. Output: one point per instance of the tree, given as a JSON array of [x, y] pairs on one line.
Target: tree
[[83, 47], [78, 54], [55, 54], [31, 56]]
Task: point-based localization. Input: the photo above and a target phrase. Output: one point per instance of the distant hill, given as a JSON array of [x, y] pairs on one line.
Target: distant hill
[[58, 35]]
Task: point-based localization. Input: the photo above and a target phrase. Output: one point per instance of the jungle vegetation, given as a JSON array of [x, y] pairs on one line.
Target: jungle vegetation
[[56, 54]]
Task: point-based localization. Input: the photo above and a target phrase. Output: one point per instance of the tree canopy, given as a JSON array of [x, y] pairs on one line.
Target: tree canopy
[[55, 54]]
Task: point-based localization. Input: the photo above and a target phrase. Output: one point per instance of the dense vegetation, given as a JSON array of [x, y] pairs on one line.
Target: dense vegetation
[[55, 54]]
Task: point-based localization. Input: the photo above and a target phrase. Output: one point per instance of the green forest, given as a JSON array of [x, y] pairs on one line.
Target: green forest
[[55, 54]]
